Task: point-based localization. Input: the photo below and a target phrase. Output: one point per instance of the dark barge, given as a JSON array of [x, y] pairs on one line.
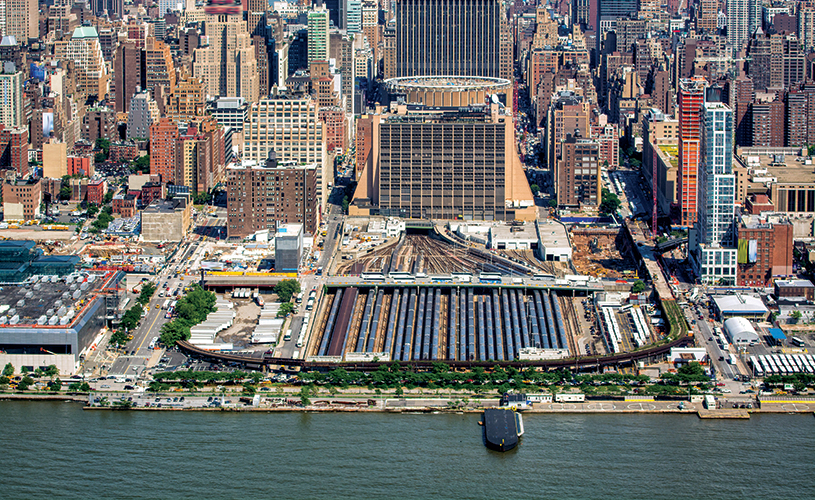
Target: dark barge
[[502, 429]]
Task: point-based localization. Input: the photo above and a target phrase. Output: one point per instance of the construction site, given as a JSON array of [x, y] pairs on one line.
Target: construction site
[[604, 253]]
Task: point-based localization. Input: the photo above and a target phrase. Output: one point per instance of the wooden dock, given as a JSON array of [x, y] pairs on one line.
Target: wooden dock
[[732, 413]]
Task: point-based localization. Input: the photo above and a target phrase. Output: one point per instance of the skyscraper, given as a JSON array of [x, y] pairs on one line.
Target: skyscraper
[[127, 73], [11, 99], [742, 21], [690, 99], [227, 66], [318, 38], [448, 37], [353, 16], [712, 241]]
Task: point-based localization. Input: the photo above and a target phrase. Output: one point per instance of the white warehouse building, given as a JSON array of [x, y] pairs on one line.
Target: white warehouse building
[[740, 332]]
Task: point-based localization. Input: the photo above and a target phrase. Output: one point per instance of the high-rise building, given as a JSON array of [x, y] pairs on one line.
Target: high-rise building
[[712, 242], [806, 24], [158, 65], [448, 37], [127, 73], [163, 137], [353, 16], [579, 173], [99, 122], [264, 195], [446, 163], [743, 17], [21, 20], [608, 11], [767, 119], [114, 8], [689, 102], [143, 113], [707, 16], [741, 96], [256, 17], [292, 128], [227, 66], [318, 38], [91, 73], [11, 99]]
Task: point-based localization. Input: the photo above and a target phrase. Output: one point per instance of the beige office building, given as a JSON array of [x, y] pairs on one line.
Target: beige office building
[[227, 66], [444, 163]]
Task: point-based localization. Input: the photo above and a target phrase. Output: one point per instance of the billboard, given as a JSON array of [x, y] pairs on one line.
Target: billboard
[[222, 7], [48, 124]]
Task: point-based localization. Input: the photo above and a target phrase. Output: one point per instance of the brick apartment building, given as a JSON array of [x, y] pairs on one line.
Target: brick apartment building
[[765, 252], [22, 199], [264, 196], [96, 191]]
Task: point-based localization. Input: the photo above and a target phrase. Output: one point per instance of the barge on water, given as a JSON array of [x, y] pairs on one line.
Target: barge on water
[[503, 428]]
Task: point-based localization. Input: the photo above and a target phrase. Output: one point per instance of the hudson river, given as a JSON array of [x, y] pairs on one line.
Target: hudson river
[[57, 450]]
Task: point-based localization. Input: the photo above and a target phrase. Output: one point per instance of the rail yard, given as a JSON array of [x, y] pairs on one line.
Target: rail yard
[[429, 254], [456, 323]]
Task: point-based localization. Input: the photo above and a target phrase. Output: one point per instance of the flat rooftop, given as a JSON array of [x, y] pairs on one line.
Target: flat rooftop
[[504, 232], [553, 234], [48, 296], [794, 284], [785, 168]]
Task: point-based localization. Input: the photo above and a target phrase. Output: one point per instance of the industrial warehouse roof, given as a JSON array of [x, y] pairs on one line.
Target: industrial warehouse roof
[[740, 330], [794, 284], [740, 304]]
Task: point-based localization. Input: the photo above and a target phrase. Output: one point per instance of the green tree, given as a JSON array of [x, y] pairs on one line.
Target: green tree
[[8, 370], [65, 188], [345, 204], [99, 158], [174, 331], [55, 385], [4, 381], [51, 371], [202, 198], [638, 286], [249, 389], [93, 209], [553, 203], [304, 393], [25, 383], [79, 387], [256, 377], [104, 145], [535, 189], [119, 337], [131, 318], [107, 198], [286, 288], [610, 202], [146, 293], [796, 315], [142, 164], [286, 308]]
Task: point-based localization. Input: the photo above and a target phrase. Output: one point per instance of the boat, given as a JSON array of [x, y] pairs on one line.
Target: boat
[[503, 428]]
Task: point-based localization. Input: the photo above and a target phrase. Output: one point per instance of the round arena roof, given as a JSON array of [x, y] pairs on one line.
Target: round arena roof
[[446, 83]]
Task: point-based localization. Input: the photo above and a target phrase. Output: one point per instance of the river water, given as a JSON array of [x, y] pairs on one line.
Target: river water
[[57, 450]]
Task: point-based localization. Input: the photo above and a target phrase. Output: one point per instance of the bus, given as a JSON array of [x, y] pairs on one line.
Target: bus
[[166, 304], [439, 278], [543, 277], [732, 359], [462, 277], [372, 277], [402, 277], [797, 342], [626, 307], [310, 304], [489, 277]]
